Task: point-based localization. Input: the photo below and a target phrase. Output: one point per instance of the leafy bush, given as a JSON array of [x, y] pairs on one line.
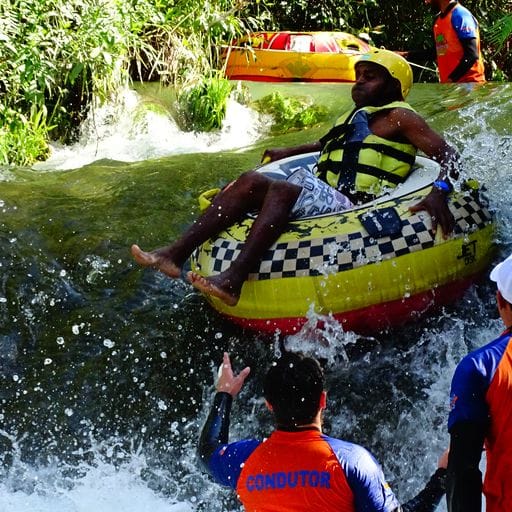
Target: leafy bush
[[202, 106], [290, 113], [57, 55], [21, 138]]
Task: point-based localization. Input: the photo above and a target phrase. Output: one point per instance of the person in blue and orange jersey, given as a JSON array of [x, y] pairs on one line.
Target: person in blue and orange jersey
[[457, 42], [298, 468], [481, 414]]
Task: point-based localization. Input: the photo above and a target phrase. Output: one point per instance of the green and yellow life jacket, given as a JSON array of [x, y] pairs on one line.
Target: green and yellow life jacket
[[353, 159]]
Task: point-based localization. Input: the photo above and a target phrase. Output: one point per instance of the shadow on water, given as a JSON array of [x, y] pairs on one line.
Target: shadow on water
[[106, 369]]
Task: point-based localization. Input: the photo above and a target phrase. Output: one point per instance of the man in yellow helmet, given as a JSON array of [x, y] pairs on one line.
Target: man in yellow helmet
[[370, 149]]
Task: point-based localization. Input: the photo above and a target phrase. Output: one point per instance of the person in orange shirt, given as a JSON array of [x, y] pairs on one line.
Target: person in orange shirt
[[298, 468], [481, 414], [457, 42]]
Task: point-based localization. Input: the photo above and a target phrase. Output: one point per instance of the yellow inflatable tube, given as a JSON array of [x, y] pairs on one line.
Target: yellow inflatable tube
[[370, 267]]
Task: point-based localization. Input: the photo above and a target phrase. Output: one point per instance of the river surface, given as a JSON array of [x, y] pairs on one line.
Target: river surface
[[106, 370]]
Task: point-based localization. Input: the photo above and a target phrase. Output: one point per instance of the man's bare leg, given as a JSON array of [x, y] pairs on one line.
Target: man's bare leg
[[246, 194], [268, 226]]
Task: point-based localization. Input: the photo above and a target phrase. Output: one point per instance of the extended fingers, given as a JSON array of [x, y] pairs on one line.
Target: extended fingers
[[440, 215], [243, 374], [226, 364], [228, 381]]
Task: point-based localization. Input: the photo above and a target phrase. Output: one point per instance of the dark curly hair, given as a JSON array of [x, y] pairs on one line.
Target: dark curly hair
[[293, 386]]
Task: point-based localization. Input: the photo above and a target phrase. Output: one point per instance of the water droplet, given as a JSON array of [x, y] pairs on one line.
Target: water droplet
[[108, 343]]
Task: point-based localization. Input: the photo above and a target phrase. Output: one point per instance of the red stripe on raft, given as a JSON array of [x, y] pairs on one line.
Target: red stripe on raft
[[374, 318]]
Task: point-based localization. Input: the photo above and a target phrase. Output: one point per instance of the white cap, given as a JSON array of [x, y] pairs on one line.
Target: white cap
[[502, 275]]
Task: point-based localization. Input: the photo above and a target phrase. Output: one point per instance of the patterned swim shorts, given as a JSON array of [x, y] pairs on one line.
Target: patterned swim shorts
[[316, 197]]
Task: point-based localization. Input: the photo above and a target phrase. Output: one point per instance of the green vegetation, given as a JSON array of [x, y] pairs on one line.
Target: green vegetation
[[290, 113], [202, 106], [58, 56], [55, 55], [22, 139]]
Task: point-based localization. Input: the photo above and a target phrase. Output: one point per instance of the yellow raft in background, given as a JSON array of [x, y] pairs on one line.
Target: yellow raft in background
[[294, 56], [368, 277]]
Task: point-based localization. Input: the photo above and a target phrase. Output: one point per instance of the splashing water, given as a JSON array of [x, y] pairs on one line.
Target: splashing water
[[135, 129], [105, 484]]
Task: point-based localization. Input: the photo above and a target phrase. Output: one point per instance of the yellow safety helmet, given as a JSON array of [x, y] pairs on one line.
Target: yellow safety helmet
[[396, 65]]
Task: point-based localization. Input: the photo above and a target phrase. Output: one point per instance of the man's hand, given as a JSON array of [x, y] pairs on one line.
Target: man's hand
[[271, 155], [443, 459], [435, 204], [228, 382]]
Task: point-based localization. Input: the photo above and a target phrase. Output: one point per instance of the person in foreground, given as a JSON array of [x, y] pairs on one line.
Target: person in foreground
[[371, 149], [298, 468], [481, 413]]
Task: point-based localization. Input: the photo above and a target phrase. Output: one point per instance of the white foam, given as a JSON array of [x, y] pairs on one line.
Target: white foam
[[99, 486], [129, 131]]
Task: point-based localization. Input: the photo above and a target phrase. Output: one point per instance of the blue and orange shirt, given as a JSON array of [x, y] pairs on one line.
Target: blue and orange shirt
[[458, 24], [481, 393], [302, 471]]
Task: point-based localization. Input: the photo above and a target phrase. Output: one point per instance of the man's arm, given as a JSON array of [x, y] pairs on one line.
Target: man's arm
[[414, 128], [468, 423], [370, 489], [215, 432], [270, 155], [430, 496], [464, 479], [468, 59]]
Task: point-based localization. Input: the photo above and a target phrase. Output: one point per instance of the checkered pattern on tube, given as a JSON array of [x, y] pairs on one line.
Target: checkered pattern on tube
[[346, 251]]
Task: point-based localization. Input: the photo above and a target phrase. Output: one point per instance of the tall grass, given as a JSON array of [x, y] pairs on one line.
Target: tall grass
[[57, 55], [23, 137], [202, 105], [54, 57]]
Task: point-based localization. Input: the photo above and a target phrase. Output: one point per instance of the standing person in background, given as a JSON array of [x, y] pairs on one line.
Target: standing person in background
[[457, 41], [298, 468], [481, 413]]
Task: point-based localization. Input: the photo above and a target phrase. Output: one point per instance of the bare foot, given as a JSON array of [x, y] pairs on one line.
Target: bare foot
[[156, 259], [211, 287]]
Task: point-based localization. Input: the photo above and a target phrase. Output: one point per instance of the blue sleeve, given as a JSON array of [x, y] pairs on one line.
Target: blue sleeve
[[464, 23], [225, 465], [471, 381], [365, 477]]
